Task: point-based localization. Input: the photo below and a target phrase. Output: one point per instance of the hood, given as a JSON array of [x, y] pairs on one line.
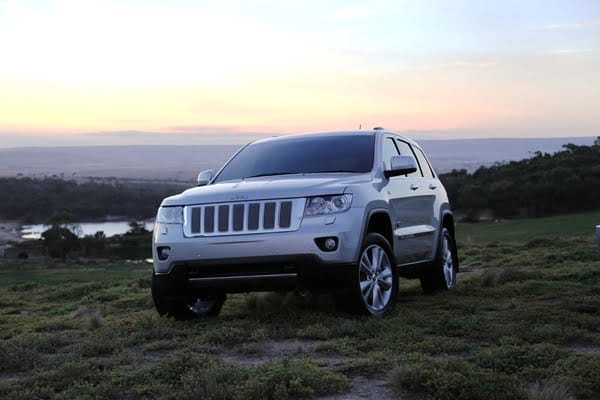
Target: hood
[[269, 187]]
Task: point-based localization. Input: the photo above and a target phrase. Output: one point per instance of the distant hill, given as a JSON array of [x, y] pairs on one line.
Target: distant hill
[[184, 162], [543, 184]]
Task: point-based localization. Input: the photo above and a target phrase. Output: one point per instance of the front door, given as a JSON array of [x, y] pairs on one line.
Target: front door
[[406, 209], [418, 211]]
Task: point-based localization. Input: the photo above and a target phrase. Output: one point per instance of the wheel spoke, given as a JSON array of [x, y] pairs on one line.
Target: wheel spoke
[[376, 261], [366, 263], [370, 291], [385, 274], [385, 297], [385, 280], [366, 289], [380, 261], [376, 297], [364, 285]]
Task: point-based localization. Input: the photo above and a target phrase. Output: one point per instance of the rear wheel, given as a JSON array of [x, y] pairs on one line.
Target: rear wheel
[[442, 275], [188, 306], [376, 279]]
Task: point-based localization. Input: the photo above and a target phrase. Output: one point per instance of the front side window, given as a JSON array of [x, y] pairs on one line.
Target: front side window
[[302, 155], [405, 150], [389, 150]]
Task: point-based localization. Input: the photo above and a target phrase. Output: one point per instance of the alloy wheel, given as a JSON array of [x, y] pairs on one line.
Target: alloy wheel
[[375, 278], [448, 263]]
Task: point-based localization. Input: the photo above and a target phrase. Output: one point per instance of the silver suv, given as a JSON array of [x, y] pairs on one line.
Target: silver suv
[[344, 212]]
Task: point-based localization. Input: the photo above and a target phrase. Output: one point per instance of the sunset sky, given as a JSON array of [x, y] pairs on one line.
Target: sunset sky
[[113, 72]]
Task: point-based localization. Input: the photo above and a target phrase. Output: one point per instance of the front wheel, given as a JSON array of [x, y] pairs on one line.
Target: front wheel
[[442, 275], [376, 279], [186, 307]]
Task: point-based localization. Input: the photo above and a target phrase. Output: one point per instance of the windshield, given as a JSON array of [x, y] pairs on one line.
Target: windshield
[[305, 155]]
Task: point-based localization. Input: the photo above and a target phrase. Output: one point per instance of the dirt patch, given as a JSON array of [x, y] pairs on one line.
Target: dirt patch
[[9, 376], [471, 270], [584, 349], [260, 353], [368, 388]]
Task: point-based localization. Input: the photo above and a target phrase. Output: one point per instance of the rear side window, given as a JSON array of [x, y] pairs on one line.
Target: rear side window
[[425, 167], [405, 150]]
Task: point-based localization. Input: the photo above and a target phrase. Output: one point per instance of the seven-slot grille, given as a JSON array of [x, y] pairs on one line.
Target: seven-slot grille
[[242, 218]]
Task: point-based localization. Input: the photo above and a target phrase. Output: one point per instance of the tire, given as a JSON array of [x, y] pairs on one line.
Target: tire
[[187, 307], [442, 274], [375, 283]]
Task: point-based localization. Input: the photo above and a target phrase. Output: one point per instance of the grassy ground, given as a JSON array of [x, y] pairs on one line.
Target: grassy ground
[[524, 323], [523, 230]]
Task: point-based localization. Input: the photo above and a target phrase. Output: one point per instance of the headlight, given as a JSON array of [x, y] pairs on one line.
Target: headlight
[[327, 204], [170, 215]]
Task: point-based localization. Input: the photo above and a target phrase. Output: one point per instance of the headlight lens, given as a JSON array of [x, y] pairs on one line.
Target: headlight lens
[[170, 215], [327, 204]]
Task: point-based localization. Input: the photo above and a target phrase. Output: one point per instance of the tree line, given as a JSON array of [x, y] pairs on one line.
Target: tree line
[[60, 241], [35, 200], [544, 184]]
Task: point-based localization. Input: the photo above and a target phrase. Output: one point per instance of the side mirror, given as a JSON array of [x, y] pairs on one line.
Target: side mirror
[[401, 165], [204, 177]]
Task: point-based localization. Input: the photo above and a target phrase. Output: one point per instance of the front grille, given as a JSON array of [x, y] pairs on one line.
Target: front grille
[[242, 218]]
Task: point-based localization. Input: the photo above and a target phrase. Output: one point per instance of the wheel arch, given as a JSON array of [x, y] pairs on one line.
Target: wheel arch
[[379, 222], [377, 219]]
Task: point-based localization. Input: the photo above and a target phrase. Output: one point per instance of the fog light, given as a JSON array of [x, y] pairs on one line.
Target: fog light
[[163, 253], [327, 243], [330, 244]]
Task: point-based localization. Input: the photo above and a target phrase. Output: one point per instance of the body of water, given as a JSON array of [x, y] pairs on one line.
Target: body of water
[[84, 228]]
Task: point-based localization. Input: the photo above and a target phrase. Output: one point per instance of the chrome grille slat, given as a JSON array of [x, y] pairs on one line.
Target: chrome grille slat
[[285, 215], [209, 219], [269, 215], [223, 218], [196, 219], [249, 217], [253, 216], [238, 217]]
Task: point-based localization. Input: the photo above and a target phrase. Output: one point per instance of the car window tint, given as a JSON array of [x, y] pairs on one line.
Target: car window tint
[[389, 150], [425, 167], [405, 150], [302, 155]]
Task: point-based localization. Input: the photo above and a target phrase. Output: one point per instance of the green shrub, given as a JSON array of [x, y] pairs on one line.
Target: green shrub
[[519, 359], [291, 379], [454, 379], [16, 358], [581, 373]]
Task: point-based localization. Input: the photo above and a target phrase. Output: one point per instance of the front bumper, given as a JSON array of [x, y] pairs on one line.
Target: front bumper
[[265, 261], [255, 274]]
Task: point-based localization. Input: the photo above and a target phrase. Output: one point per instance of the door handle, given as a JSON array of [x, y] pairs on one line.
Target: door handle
[[414, 187], [432, 186]]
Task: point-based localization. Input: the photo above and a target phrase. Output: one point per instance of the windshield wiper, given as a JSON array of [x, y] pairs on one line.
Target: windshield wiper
[[273, 174]]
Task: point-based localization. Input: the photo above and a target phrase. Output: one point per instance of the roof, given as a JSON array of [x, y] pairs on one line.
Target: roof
[[375, 132]]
